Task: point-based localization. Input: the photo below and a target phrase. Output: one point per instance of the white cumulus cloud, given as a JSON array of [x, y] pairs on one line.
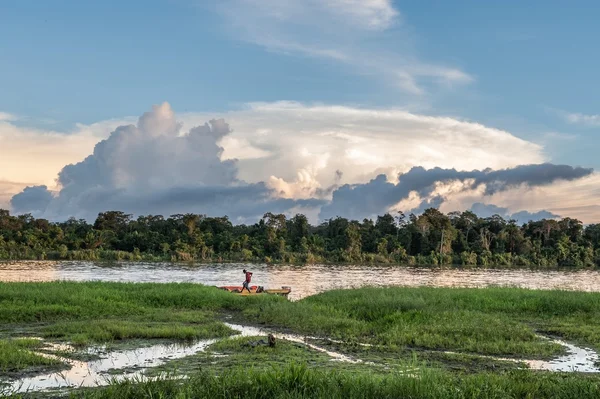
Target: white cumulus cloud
[[278, 156]]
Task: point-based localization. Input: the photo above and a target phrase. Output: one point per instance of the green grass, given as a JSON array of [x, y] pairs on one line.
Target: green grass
[[83, 333], [65, 310], [451, 361], [99, 312], [56, 301], [237, 352], [496, 321], [300, 381], [16, 355], [405, 325]]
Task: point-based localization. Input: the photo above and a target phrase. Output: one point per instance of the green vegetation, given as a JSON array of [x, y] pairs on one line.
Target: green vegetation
[[498, 321], [238, 352], [423, 342], [65, 310], [99, 312], [82, 333], [431, 238], [299, 381], [16, 355]]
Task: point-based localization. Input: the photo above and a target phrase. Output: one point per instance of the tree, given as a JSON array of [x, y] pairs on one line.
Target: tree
[[386, 225]]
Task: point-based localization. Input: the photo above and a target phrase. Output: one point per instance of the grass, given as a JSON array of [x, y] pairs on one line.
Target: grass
[[16, 355], [83, 333], [237, 352], [451, 361], [406, 326], [493, 321], [119, 311], [300, 381], [58, 301], [98, 312]]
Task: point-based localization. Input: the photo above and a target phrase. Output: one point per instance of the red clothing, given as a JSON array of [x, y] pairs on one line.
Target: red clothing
[[248, 277]]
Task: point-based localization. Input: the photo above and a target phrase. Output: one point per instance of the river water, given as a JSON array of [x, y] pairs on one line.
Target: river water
[[304, 280]]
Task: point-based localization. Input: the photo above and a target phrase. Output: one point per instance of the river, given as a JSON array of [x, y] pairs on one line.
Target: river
[[304, 280]]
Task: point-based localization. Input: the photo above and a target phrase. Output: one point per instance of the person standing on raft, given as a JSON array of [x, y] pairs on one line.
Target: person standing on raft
[[246, 284]]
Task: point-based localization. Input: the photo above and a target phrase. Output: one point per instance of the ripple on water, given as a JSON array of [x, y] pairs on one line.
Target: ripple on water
[[305, 280]]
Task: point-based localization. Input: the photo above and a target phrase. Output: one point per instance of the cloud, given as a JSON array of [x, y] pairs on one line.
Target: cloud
[[378, 196], [294, 147], [5, 116], [152, 167], [32, 200], [370, 14], [577, 198], [590, 120], [288, 155], [7, 190], [355, 33], [576, 118], [487, 210], [37, 155], [302, 145]]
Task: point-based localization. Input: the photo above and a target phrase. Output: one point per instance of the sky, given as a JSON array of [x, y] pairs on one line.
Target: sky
[[326, 107]]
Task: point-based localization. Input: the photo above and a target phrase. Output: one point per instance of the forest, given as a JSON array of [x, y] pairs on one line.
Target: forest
[[431, 238]]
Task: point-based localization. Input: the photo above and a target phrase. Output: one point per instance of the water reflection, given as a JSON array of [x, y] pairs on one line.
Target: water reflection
[[28, 271], [577, 359], [305, 280], [132, 363]]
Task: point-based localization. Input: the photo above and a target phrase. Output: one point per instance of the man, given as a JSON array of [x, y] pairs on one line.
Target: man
[[246, 284]]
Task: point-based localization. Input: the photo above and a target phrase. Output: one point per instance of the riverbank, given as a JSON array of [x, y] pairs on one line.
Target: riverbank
[[476, 340]]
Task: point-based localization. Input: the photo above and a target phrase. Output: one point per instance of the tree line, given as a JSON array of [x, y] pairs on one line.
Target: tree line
[[431, 238]]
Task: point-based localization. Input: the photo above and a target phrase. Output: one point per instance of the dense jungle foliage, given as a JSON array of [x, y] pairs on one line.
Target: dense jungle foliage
[[432, 238]]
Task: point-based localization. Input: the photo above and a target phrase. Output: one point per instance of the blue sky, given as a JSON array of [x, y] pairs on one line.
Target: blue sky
[[528, 68]]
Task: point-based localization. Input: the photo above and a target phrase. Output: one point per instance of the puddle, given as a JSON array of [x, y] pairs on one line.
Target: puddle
[[97, 372], [246, 331], [133, 362], [121, 364], [577, 359], [581, 360]]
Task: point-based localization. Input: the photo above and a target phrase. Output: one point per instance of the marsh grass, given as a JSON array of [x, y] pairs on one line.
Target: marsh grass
[[301, 381], [64, 310], [61, 300], [398, 321], [493, 321], [84, 313], [16, 355], [238, 352], [83, 333]]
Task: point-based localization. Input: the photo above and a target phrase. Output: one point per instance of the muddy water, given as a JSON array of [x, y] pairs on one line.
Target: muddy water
[[305, 281], [117, 365], [96, 372], [576, 360]]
